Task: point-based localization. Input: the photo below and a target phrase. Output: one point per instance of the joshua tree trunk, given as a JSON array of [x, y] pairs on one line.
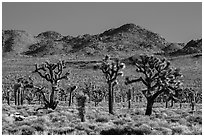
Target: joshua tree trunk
[[129, 103], [22, 96], [8, 97], [150, 103], [166, 103], [192, 105], [133, 94], [112, 94], [18, 97], [129, 98], [180, 105], [52, 95], [15, 97], [172, 102], [70, 98], [110, 101]]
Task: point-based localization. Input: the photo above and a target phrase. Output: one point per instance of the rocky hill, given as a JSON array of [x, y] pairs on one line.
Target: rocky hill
[[16, 41], [126, 40], [193, 46]]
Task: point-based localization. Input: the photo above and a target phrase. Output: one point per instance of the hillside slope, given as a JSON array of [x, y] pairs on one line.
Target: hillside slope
[[16, 41]]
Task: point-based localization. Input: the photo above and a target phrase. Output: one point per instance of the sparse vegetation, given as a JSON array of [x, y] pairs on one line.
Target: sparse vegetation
[[94, 99]]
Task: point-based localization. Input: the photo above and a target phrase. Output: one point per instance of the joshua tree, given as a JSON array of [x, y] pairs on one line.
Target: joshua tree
[[6, 94], [172, 96], [19, 87], [97, 96], [158, 77], [81, 103], [111, 69], [87, 89], [129, 97], [71, 90], [52, 72], [33, 93], [190, 96]]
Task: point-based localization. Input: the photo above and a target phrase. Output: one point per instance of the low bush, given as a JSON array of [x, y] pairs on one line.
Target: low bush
[[119, 122], [164, 130], [102, 119], [27, 130], [146, 129], [38, 127], [62, 131], [196, 130], [194, 119], [183, 121], [153, 123], [180, 129], [156, 132]]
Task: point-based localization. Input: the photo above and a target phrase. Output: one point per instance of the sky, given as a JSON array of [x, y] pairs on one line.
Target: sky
[[176, 22]]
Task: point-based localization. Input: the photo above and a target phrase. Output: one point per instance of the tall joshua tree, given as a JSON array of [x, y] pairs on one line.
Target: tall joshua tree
[[158, 77], [53, 73], [111, 70]]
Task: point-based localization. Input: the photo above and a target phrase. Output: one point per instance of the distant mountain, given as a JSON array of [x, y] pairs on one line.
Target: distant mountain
[[173, 47], [126, 40], [193, 46]]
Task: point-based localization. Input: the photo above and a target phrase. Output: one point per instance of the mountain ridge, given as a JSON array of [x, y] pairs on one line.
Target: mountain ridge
[[126, 39]]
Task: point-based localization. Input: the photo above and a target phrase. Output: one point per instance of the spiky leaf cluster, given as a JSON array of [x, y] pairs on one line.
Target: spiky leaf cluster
[[97, 95], [112, 69]]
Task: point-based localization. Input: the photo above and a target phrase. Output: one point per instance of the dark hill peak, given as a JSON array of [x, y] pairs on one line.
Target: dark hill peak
[[130, 27], [50, 35], [193, 43]]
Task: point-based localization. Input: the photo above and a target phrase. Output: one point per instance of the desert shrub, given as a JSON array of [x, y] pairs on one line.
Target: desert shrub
[[196, 130], [6, 108], [38, 127], [180, 129], [138, 112], [102, 119], [58, 119], [80, 132], [184, 114], [126, 130], [182, 121], [153, 124], [119, 122], [113, 131], [92, 133], [69, 116], [27, 130], [170, 113], [9, 129], [156, 132], [146, 129], [141, 118], [62, 130], [80, 126], [162, 123], [21, 123], [194, 119], [164, 130], [40, 120]]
